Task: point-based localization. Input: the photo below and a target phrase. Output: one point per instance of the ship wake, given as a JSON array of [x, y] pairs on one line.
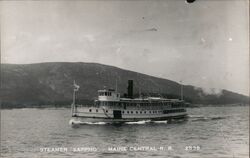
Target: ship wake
[[142, 122], [77, 122], [195, 118]]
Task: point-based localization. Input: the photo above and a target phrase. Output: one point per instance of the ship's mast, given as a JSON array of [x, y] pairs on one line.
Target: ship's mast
[[140, 92], [73, 106], [116, 85], [181, 90], [74, 94]]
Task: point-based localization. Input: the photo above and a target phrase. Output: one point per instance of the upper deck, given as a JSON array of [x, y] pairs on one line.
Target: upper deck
[[150, 99], [111, 95]]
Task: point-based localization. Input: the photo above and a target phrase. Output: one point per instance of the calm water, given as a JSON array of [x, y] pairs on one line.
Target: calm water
[[208, 132]]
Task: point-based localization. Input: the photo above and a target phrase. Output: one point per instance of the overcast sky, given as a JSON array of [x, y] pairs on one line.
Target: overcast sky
[[203, 44]]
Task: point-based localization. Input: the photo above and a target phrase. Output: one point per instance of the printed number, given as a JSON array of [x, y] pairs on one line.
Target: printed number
[[192, 148]]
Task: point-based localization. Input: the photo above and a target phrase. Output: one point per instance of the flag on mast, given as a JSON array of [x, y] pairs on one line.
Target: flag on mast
[[76, 87]]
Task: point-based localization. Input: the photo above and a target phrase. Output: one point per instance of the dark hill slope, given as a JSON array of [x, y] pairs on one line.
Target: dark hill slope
[[48, 83]]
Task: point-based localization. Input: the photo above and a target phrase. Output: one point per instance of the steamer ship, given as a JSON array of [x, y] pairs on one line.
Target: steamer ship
[[111, 107]]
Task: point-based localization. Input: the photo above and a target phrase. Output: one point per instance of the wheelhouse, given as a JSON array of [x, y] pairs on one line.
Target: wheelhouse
[[108, 95]]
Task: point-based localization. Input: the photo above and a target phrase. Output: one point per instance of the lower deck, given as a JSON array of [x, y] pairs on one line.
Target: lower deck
[[131, 114]]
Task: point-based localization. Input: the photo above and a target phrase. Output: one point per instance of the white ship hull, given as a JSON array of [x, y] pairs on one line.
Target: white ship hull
[[91, 114]]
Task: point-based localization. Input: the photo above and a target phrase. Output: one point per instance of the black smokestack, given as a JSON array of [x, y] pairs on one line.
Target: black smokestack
[[130, 89]]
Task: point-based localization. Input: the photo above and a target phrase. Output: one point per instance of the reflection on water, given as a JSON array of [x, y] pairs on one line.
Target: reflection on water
[[208, 132]]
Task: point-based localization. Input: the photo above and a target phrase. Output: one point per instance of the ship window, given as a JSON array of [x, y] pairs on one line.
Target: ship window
[[140, 112], [128, 112], [90, 110], [105, 93], [96, 110], [123, 112], [136, 112], [131, 112], [107, 111], [150, 112], [145, 112]]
